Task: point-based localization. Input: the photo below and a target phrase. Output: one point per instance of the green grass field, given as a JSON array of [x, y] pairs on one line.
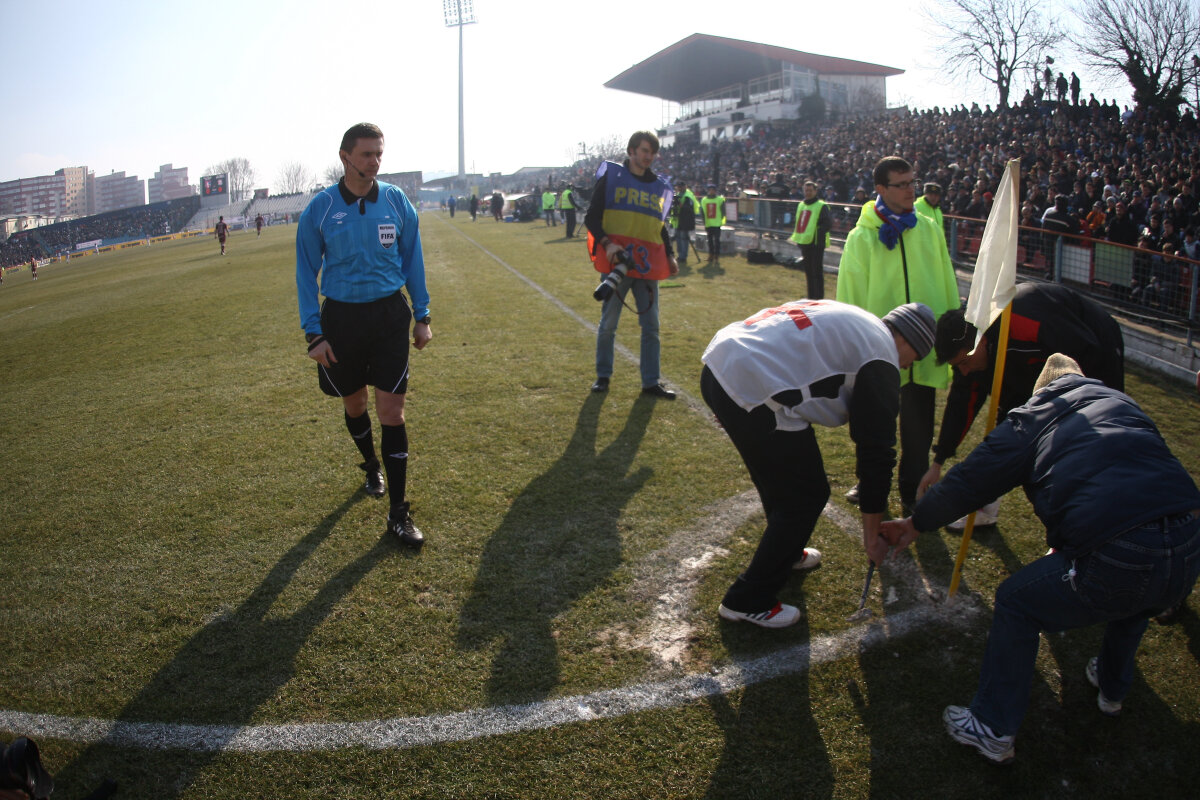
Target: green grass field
[[187, 555]]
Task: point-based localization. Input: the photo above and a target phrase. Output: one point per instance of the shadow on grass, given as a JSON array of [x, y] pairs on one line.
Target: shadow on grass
[[558, 541], [1189, 623], [225, 672], [1065, 746], [773, 745], [711, 269]]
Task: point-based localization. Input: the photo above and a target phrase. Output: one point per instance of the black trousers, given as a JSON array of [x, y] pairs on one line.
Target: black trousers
[[789, 473], [570, 214], [814, 269], [714, 241], [916, 438]]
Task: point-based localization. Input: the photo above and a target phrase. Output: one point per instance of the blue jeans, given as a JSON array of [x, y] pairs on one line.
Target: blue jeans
[[645, 300], [1122, 583], [681, 243]]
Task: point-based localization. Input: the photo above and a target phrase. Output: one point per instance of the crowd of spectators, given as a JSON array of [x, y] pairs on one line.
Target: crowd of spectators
[[1130, 177], [1092, 154], [1087, 169], [138, 222], [18, 251]]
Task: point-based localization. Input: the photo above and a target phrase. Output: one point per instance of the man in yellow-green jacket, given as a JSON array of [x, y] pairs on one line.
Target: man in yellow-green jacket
[[930, 204], [712, 211], [895, 256], [566, 201], [813, 222]]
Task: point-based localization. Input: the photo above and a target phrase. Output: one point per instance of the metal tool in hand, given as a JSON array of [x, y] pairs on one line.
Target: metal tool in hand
[[863, 612]]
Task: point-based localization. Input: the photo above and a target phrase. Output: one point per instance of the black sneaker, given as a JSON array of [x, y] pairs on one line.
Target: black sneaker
[[374, 483], [659, 391], [402, 528], [601, 385]]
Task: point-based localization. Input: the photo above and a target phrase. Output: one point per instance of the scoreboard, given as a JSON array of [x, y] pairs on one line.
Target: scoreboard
[[214, 185]]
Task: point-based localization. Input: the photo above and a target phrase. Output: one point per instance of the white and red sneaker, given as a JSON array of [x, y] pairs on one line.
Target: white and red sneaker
[[810, 559], [778, 617]]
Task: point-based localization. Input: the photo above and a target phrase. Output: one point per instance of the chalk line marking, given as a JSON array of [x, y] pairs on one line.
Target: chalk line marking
[[18, 311], [407, 732], [625, 352], [667, 629]]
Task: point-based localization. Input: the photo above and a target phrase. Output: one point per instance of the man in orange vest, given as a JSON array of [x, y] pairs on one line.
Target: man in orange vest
[[629, 243]]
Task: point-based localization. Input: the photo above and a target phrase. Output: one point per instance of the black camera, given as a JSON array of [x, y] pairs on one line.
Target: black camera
[[608, 285]]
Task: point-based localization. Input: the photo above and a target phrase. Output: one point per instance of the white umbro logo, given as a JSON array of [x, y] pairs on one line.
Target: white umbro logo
[[339, 215]]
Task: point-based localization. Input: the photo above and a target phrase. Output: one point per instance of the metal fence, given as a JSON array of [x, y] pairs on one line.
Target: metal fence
[[1146, 285]]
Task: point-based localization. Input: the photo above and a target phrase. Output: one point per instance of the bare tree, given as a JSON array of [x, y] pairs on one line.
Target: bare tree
[[992, 39], [333, 173], [611, 148], [241, 176], [293, 177], [1150, 42]]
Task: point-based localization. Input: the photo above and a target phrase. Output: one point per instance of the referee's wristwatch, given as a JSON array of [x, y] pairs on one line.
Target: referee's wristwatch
[[425, 319]]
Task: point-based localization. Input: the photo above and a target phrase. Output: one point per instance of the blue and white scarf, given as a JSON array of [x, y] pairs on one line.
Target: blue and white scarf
[[893, 224]]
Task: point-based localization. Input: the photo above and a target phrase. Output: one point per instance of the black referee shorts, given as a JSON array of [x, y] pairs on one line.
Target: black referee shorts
[[370, 342]]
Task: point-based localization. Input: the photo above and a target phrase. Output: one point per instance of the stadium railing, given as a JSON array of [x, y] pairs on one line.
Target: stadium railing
[[1094, 266]]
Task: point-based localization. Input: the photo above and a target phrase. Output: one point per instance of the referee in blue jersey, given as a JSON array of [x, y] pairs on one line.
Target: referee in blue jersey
[[362, 239]]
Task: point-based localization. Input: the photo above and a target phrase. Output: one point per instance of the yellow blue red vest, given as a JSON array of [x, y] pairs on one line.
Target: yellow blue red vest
[[807, 215], [634, 213]]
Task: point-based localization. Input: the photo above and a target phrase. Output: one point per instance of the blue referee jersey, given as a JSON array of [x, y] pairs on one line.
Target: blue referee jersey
[[363, 249]]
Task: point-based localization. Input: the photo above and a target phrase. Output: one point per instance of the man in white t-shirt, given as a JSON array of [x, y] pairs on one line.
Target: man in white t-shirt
[[769, 379]]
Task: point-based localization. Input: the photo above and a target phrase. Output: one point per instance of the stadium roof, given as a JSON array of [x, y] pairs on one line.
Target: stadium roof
[[701, 63]]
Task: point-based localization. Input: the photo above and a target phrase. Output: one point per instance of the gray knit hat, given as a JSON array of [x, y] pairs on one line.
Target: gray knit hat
[[915, 322], [1057, 365]]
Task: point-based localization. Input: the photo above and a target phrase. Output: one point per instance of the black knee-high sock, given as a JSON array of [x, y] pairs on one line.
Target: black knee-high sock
[[360, 429], [394, 445]]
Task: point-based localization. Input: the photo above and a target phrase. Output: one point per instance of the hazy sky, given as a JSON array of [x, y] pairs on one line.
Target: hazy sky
[[134, 84]]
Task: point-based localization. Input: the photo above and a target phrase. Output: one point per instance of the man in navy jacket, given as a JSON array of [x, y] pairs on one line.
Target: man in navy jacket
[[1122, 517]]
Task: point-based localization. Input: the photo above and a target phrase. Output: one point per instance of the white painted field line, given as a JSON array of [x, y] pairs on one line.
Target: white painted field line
[[405, 732], [625, 352], [18, 311]]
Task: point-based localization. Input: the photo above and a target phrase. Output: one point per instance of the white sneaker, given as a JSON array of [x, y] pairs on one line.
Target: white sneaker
[[852, 495], [811, 557], [1093, 675], [988, 515], [778, 617], [964, 727]]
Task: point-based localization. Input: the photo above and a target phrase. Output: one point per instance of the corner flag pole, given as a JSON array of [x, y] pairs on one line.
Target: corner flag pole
[[993, 411], [992, 288]]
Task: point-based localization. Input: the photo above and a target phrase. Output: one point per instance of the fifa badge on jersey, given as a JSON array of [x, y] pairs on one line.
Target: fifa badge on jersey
[[387, 235]]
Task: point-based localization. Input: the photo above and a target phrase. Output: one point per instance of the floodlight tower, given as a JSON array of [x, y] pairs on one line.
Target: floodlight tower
[[459, 13]]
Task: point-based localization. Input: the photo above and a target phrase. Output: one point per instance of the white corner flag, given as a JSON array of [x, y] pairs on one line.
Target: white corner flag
[[995, 280], [993, 287]]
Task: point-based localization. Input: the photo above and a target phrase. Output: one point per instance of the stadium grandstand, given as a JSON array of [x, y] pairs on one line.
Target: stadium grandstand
[[724, 86], [97, 231], [277, 208]]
